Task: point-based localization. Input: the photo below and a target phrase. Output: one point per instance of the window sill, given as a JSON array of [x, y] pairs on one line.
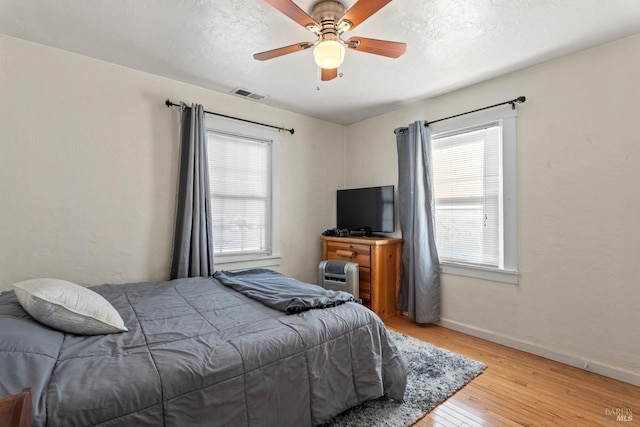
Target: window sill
[[241, 264], [486, 273]]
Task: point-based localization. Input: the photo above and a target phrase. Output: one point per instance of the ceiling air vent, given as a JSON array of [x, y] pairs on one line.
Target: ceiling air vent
[[246, 94]]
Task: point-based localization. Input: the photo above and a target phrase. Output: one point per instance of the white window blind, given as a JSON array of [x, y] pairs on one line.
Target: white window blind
[[241, 194], [468, 196]]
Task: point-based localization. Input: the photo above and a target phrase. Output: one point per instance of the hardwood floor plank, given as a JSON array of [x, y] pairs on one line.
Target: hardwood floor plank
[[471, 414], [455, 414], [522, 389], [443, 420]]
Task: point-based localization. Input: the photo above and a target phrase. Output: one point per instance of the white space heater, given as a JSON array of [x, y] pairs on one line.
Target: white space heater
[[339, 276]]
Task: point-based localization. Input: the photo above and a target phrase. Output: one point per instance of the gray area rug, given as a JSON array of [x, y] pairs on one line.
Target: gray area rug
[[434, 375]]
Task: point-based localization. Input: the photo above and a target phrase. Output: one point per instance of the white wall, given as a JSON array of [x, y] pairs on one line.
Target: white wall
[[88, 169], [578, 208]]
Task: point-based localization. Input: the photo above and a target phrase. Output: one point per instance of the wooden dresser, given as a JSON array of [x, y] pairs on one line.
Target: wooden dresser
[[379, 261]]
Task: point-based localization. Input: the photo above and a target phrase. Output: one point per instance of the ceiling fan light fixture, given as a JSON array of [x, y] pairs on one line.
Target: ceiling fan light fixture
[[329, 54]]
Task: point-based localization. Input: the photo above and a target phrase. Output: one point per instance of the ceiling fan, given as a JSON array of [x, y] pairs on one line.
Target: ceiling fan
[[328, 20]]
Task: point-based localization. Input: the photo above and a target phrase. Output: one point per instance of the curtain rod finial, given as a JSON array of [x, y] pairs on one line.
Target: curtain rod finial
[[518, 100]]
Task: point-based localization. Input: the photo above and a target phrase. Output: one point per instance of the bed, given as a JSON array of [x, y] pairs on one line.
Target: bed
[[198, 352]]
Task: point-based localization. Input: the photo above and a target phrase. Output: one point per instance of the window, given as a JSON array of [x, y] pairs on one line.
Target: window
[[244, 183], [474, 178]]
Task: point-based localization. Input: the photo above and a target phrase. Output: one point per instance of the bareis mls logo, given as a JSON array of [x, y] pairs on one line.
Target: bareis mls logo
[[619, 414]]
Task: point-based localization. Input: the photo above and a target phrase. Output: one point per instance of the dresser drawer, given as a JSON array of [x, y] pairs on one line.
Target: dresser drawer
[[364, 287], [361, 254], [366, 299], [364, 274]]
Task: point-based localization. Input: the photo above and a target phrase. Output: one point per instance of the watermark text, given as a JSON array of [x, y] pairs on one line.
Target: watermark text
[[619, 414]]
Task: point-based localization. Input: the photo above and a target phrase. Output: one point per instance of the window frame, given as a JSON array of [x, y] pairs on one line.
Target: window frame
[[221, 124], [507, 115]]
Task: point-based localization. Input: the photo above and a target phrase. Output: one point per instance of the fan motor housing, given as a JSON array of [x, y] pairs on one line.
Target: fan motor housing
[[327, 10]]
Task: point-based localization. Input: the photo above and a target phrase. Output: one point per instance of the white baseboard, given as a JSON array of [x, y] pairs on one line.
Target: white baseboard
[[546, 352]]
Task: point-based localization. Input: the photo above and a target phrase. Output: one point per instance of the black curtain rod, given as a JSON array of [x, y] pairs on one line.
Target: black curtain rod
[[513, 102], [168, 103]]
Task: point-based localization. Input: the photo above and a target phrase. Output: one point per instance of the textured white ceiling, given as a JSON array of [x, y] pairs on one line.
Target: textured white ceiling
[[451, 44]]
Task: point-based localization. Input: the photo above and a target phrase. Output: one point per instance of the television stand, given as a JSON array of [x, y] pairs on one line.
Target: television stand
[[379, 262]]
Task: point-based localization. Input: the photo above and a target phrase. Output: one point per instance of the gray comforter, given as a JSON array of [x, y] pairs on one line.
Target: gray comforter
[[199, 353], [280, 292]]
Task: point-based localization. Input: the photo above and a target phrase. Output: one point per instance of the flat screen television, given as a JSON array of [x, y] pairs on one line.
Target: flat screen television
[[370, 209]]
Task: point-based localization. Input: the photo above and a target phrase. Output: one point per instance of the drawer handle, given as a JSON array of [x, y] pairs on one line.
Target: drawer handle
[[347, 254]]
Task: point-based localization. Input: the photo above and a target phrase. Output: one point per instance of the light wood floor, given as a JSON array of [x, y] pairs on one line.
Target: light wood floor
[[520, 389]]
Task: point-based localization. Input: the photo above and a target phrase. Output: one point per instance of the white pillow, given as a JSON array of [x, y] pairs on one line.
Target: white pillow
[[68, 307]]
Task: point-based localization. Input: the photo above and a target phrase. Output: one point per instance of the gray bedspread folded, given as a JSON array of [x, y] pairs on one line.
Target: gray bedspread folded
[[198, 353], [281, 292]]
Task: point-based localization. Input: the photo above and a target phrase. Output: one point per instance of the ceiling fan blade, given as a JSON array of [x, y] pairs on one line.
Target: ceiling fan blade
[[274, 53], [293, 11], [377, 47], [362, 10], [329, 74]]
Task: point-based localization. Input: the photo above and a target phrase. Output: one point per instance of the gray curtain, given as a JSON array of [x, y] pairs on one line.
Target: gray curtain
[[193, 241], [420, 287]]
